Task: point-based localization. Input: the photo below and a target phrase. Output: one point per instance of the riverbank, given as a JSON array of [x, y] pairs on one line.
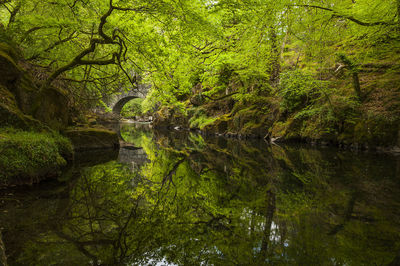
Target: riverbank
[[297, 110], [38, 135], [371, 134]]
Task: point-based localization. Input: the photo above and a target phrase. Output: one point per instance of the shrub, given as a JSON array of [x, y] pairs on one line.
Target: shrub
[[297, 89], [200, 119]]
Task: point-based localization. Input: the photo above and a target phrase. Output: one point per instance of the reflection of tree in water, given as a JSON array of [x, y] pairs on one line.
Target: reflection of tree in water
[[226, 204]]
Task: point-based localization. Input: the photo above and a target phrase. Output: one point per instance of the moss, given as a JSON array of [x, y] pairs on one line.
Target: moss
[[9, 70], [376, 132], [92, 138], [9, 47], [289, 129], [216, 124], [278, 129], [315, 129], [28, 156], [200, 120], [51, 107], [168, 117], [254, 129], [11, 115]]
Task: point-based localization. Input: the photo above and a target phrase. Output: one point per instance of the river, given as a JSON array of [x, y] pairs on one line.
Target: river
[[184, 199]]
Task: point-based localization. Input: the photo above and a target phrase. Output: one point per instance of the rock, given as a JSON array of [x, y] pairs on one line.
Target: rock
[[396, 149], [52, 108], [197, 100], [324, 143], [11, 115], [92, 138], [276, 140], [218, 126], [9, 70], [398, 138], [166, 117], [49, 106], [27, 157]]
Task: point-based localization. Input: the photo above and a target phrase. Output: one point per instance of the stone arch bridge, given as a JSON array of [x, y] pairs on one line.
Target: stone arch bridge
[[117, 101]]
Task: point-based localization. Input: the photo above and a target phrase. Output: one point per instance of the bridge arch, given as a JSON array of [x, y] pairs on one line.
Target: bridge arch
[[117, 108], [117, 100]]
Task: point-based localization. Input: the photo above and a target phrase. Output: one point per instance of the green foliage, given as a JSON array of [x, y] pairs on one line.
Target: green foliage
[[213, 49], [199, 119], [30, 154], [348, 62], [133, 108], [297, 89]]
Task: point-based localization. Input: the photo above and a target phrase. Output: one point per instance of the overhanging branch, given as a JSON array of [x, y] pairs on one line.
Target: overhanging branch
[[114, 39], [348, 17]]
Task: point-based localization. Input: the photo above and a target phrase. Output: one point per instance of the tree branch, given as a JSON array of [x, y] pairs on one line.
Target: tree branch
[[70, 37], [104, 39], [351, 18], [14, 13]]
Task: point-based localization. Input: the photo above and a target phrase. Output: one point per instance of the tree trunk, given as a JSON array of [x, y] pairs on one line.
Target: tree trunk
[[356, 84], [398, 13], [269, 214], [3, 257], [276, 68], [353, 68]]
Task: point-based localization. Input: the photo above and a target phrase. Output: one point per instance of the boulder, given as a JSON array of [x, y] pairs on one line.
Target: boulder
[[169, 117], [84, 139], [28, 157], [11, 115], [52, 108], [9, 70]]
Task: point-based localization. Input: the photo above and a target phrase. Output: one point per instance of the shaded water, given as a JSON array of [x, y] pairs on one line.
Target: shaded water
[[180, 199]]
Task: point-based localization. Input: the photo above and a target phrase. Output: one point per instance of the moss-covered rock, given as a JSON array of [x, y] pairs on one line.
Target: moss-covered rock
[[9, 70], [12, 116], [372, 132], [286, 130], [168, 117], [217, 125], [197, 100], [25, 92], [51, 108], [84, 139], [28, 157], [314, 130], [246, 120]]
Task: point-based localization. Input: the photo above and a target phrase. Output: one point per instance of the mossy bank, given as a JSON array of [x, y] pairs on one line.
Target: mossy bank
[[31, 147], [28, 157], [299, 109]]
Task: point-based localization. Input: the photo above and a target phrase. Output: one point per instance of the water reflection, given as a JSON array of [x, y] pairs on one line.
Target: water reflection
[[195, 201]]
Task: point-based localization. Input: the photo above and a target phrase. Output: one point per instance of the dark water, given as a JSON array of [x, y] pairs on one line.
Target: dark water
[[184, 200]]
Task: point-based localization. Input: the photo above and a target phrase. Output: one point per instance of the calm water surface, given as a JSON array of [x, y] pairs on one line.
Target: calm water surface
[[182, 199]]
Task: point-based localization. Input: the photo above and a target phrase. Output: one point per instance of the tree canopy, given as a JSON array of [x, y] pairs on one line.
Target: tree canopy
[[101, 46]]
